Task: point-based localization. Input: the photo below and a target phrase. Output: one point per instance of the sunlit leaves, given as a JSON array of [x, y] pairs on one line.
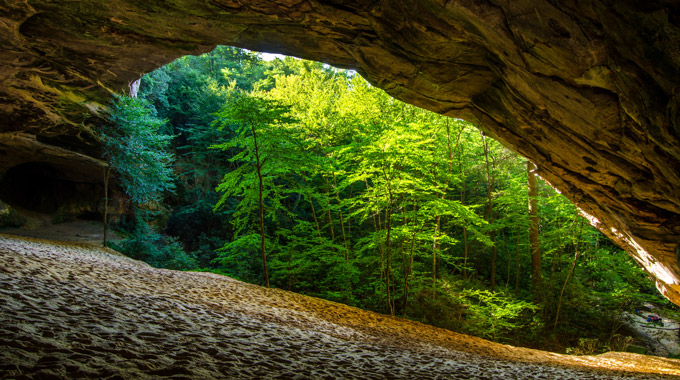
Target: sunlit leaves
[[362, 191], [494, 313]]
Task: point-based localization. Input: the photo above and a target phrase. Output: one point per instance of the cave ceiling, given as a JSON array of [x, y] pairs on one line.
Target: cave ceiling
[[588, 90]]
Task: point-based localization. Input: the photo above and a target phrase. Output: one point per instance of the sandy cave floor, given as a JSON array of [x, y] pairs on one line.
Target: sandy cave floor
[[72, 310]]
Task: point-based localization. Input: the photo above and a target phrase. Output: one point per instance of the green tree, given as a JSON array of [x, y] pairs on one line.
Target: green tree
[[138, 153], [264, 141], [373, 202], [137, 150]]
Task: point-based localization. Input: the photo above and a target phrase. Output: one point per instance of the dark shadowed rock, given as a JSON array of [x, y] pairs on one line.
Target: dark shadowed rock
[[10, 217], [589, 90]]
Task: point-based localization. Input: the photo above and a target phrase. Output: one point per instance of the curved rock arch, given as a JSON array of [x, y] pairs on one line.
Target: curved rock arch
[[589, 90]]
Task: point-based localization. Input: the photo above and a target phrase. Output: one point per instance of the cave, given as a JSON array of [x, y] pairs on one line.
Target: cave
[[36, 186], [589, 91], [39, 187]]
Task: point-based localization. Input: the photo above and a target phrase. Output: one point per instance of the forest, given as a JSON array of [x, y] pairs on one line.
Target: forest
[[296, 175]]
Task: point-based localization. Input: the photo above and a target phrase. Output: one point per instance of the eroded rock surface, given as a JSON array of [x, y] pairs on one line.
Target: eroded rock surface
[[586, 89]]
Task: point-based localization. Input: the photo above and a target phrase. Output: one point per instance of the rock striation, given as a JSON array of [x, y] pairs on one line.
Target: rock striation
[[587, 89]]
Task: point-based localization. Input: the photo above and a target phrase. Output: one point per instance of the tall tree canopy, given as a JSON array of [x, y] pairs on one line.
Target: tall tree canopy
[[137, 150], [301, 176]]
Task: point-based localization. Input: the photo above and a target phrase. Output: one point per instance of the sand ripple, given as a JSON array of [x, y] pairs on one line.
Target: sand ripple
[[75, 311]]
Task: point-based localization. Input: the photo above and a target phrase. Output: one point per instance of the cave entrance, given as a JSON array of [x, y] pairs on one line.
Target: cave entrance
[[41, 187]]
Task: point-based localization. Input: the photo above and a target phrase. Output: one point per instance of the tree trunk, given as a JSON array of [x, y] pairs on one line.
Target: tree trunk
[[290, 263], [377, 226], [507, 251], [388, 270], [462, 202], [517, 253], [107, 173], [490, 218], [409, 270], [328, 210], [388, 226], [435, 248], [311, 204], [571, 271], [533, 232], [258, 166], [451, 153], [406, 266], [380, 228], [342, 221], [344, 237], [349, 217]]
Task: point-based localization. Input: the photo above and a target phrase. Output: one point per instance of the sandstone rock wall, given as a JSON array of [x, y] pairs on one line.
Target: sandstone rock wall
[[588, 89]]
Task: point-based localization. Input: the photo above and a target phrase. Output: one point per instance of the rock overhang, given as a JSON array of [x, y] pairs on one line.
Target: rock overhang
[[590, 91]]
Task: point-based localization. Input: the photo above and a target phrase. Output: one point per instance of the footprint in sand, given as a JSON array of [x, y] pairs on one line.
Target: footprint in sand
[[96, 315]]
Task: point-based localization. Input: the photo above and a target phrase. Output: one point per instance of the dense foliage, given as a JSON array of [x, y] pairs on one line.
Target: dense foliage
[[308, 178], [137, 150]]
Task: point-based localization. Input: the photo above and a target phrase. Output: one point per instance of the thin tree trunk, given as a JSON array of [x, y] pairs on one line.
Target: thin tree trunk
[[107, 173], [435, 248], [290, 262], [554, 259], [311, 204], [409, 269], [518, 261], [533, 232], [388, 252], [344, 237], [388, 224], [377, 226], [571, 270], [261, 206], [451, 152], [349, 217], [405, 257], [489, 189], [465, 240], [507, 252], [342, 222], [328, 210], [380, 228]]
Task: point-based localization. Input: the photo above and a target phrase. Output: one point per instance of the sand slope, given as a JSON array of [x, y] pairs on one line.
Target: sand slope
[[77, 311]]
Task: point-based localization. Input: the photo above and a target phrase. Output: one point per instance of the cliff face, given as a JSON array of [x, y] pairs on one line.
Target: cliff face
[[588, 90]]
